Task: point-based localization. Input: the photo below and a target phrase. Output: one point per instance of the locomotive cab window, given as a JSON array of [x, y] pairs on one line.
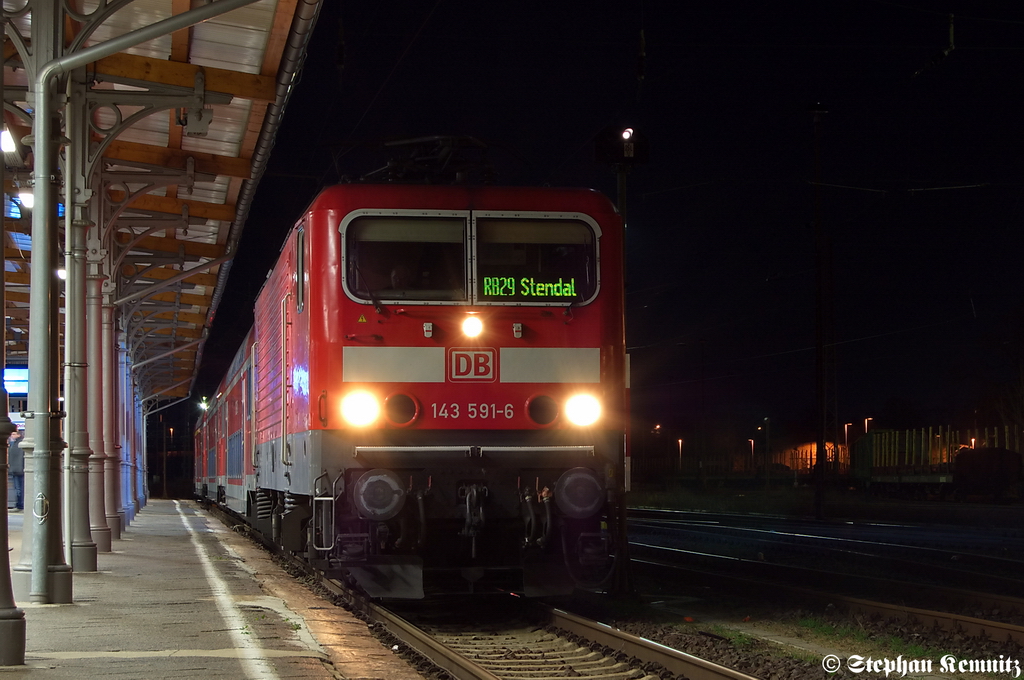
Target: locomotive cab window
[[549, 261], [406, 258]]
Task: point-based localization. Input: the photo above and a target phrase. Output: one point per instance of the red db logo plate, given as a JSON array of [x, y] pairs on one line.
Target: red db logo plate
[[472, 365]]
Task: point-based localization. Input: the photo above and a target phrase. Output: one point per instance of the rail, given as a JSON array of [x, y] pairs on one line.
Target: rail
[[770, 581]]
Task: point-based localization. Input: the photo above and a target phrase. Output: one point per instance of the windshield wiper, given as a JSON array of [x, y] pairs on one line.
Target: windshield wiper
[[378, 306]]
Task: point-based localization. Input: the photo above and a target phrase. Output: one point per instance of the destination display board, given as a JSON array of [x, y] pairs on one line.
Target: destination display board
[[535, 261]]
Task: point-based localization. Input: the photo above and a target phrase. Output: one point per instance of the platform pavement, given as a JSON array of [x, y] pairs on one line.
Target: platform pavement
[[181, 596]]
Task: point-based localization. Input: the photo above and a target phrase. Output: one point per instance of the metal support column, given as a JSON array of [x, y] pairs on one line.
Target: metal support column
[[122, 432], [144, 467], [21, 573], [12, 619], [143, 472], [50, 579], [49, 576], [112, 467], [102, 531], [83, 548], [140, 452]]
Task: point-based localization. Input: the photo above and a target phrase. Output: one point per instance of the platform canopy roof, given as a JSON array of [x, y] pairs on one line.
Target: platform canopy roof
[[170, 138]]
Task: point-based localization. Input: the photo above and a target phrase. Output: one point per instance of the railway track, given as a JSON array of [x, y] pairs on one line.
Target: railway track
[[854, 557], [733, 574], [518, 639], [511, 638], [855, 560], [986, 546]]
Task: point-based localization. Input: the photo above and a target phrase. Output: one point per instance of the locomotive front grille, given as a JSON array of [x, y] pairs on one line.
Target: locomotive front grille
[[550, 457]]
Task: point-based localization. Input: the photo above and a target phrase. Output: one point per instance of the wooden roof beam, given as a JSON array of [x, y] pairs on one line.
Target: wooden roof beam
[[181, 41], [202, 301], [14, 296], [236, 83], [133, 152], [172, 206], [180, 332], [162, 274], [184, 317], [166, 244]]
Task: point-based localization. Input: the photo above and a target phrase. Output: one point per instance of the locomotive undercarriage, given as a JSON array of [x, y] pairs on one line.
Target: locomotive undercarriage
[[403, 520]]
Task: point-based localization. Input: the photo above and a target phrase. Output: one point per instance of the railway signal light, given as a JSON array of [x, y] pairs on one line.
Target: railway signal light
[[621, 145]]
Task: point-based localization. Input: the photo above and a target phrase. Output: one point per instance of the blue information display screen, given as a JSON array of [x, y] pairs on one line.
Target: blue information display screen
[[16, 380]]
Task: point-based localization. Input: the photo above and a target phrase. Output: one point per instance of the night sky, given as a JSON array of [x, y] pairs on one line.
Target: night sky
[[920, 173]]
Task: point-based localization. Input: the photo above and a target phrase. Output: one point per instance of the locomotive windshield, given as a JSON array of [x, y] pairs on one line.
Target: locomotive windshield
[[535, 261], [407, 258]]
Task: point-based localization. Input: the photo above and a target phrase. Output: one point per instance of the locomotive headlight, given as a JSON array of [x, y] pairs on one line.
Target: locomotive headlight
[[472, 326], [360, 408], [583, 409]]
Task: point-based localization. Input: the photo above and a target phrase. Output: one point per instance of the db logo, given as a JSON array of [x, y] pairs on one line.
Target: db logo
[[478, 365]]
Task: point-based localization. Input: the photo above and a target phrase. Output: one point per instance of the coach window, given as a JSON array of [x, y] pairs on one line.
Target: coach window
[[540, 261], [406, 258], [300, 270]]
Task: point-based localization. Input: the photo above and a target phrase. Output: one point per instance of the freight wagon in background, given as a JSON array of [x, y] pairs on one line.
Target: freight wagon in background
[[433, 395], [940, 463]]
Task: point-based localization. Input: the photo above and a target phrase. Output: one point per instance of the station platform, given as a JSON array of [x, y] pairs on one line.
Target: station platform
[[182, 596]]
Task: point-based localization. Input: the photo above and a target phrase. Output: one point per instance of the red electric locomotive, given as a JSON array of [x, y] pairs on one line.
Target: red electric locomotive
[[432, 398]]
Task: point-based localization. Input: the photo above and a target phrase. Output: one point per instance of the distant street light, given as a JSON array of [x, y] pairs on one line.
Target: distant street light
[[163, 475], [680, 455], [866, 424], [767, 452]]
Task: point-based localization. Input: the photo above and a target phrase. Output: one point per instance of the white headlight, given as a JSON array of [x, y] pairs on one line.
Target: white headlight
[[582, 410], [472, 326], [360, 408]]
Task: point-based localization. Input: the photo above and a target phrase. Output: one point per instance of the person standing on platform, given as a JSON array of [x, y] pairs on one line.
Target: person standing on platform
[[16, 466]]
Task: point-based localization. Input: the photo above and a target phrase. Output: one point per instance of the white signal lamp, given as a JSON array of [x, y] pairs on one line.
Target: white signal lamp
[[472, 327]]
